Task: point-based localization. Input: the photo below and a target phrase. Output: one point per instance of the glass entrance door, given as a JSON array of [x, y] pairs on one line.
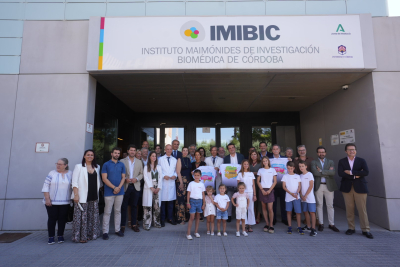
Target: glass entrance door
[[172, 134], [230, 135], [205, 138]]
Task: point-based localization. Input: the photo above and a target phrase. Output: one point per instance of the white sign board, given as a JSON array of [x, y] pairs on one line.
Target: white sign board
[[248, 42], [334, 139], [229, 174], [206, 129], [42, 147], [89, 127], [347, 136], [208, 175]]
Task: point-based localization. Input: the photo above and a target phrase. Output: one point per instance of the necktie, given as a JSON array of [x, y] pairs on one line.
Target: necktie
[[168, 161], [175, 153], [213, 160]]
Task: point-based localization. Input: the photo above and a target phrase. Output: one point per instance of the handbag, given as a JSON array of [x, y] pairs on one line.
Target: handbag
[[70, 215], [102, 203]]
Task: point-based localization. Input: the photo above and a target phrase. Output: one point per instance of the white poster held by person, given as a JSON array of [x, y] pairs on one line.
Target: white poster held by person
[[229, 174], [279, 164], [208, 174]]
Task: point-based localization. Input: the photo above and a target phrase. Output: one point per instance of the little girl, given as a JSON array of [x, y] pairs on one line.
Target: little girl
[[242, 204], [209, 210], [222, 202], [247, 177]]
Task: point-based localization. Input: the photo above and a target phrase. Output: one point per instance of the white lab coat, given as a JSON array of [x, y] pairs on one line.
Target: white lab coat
[[148, 183], [168, 192]]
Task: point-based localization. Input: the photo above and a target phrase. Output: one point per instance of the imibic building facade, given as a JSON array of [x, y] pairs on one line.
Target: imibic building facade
[[65, 65]]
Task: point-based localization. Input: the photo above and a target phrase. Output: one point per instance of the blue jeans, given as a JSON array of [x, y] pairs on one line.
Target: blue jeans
[[195, 205], [167, 205], [311, 207], [294, 203], [222, 215]]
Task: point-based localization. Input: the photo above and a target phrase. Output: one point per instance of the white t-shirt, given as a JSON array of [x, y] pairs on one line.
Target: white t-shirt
[[234, 159], [292, 184], [221, 200], [247, 179], [196, 190], [267, 177], [305, 184]]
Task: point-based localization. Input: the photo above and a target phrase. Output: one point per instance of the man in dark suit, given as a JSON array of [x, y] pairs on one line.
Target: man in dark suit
[[263, 151], [175, 153], [353, 170], [232, 158], [323, 170]]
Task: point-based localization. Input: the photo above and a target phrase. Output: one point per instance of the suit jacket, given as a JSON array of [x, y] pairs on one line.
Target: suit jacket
[[360, 168], [269, 155], [218, 161], [179, 154], [137, 172], [239, 156], [326, 173], [80, 181]]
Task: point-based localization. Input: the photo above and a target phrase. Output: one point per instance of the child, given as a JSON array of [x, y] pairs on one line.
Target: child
[[247, 177], [209, 210], [222, 202], [307, 196], [266, 180], [195, 196], [291, 184], [242, 204]]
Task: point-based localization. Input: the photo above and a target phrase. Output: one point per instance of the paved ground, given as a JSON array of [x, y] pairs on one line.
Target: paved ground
[[169, 247]]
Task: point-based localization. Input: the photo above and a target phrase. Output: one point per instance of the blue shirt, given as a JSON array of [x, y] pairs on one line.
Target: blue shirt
[[114, 175]]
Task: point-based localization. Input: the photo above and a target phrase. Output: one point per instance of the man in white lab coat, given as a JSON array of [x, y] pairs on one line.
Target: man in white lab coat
[[168, 194]]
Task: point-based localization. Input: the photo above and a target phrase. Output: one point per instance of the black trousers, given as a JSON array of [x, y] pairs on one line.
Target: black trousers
[[131, 198], [56, 214], [280, 193], [167, 208]]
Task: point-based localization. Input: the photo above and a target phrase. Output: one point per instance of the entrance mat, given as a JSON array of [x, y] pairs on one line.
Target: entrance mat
[[11, 237]]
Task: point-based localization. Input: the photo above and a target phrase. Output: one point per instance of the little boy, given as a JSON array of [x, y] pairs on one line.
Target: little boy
[[307, 196], [291, 184], [196, 198], [222, 202]]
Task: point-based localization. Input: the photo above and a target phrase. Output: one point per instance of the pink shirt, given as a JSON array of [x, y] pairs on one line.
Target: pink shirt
[[208, 200]]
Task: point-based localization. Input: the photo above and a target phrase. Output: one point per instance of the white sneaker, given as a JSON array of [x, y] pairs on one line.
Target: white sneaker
[[219, 234], [197, 235], [189, 237], [237, 234], [244, 233], [212, 233], [225, 234], [208, 232]]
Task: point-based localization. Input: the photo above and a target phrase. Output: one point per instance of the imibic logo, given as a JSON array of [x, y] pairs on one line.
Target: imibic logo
[[192, 31], [341, 49]]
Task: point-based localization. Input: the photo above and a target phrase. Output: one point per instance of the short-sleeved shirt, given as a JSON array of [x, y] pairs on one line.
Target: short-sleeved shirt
[[196, 190], [292, 184], [237, 194], [114, 175], [221, 200], [267, 177], [247, 178], [305, 184], [208, 199]]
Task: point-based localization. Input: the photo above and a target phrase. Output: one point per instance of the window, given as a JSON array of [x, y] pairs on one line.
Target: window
[[172, 134], [205, 137], [261, 134], [230, 135]]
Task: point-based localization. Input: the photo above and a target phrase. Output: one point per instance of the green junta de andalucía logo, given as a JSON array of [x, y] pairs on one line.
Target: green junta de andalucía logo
[[340, 28]]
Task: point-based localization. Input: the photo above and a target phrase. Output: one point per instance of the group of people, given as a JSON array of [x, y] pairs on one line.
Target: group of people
[[169, 189]]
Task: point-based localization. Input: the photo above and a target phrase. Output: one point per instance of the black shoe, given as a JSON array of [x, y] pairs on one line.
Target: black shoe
[[120, 234], [229, 219], [122, 229], [313, 232], [162, 224], [171, 222], [321, 227], [305, 228], [350, 232], [266, 228], [368, 235], [285, 222], [274, 222], [105, 236]]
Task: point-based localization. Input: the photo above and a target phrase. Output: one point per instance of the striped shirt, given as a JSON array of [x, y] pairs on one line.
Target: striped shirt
[[59, 188]]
